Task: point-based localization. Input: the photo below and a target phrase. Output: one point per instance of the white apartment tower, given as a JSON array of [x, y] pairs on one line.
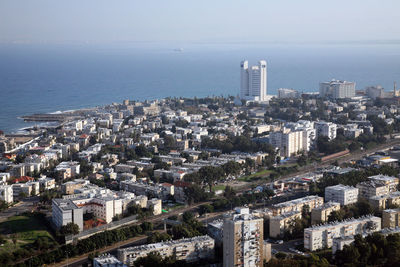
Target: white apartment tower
[[337, 89], [253, 81], [243, 240]]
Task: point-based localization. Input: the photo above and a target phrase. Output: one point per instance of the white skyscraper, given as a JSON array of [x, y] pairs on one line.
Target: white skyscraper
[[253, 81]]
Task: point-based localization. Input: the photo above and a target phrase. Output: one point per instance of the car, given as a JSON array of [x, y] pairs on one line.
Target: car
[[279, 242], [274, 251]]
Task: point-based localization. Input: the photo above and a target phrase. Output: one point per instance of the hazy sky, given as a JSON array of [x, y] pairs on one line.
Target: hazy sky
[[103, 21]]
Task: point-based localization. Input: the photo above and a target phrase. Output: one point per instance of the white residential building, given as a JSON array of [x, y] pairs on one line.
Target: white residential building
[[297, 204], [337, 89], [390, 181], [287, 93], [6, 193], [342, 194], [326, 129], [253, 81], [289, 142], [107, 260], [188, 249], [318, 237], [65, 211]]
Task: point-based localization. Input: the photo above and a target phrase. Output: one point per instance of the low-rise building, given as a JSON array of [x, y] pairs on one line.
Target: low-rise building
[[342, 194], [390, 181], [47, 183], [318, 237], [188, 249], [6, 193], [321, 214], [371, 188], [297, 204], [65, 211], [391, 218], [107, 260], [281, 223]]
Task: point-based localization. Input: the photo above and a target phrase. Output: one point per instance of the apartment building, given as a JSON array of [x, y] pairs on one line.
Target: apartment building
[[390, 218], [156, 190], [65, 211], [281, 223], [321, 214], [318, 237], [383, 201], [289, 142], [371, 188], [107, 260], [70, 187], [188, 249], [390, 181], [243, 239], [297, 204], [337, 89], [6, 193], [327, 129], [47, 183], [342, 194]]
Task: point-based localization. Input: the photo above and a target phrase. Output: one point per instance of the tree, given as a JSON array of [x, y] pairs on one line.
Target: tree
[[229, 192], [210, 175], [14, 239], [187, 216], [69, 228], [206, 208]]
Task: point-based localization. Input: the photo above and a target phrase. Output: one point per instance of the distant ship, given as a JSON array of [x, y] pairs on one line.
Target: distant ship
[[178, 49]]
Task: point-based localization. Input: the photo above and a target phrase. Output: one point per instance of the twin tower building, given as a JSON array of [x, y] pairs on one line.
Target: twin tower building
[[253, 81]]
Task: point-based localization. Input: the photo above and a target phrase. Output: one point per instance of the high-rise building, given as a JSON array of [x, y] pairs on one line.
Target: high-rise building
[[253, 81], [337, 89], [243, 239]]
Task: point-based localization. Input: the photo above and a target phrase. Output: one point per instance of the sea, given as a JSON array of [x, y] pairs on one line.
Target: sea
[[38, 78]]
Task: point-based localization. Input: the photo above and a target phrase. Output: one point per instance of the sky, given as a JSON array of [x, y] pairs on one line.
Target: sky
[[101, 21]]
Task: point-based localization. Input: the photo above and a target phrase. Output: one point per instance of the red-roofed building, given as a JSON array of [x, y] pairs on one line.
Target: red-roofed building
[[23, 179]]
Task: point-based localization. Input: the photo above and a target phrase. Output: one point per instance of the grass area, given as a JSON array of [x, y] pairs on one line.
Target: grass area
[[218, 187], [27, 229], [255, 176], [174, 207]]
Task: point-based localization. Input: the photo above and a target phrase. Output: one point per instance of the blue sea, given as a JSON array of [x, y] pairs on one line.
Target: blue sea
[[50, 78]]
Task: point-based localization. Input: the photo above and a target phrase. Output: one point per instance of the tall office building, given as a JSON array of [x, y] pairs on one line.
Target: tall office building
[[243, 239], [253, 81], [337, 89]]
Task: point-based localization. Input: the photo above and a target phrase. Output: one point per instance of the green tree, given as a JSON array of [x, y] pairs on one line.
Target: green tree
[[69, 228]]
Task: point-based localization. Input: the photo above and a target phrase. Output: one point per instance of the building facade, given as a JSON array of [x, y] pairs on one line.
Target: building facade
[[253, 81], [337, 89], [243, 240], [188, 249], [297, 204], [342, 194], [281, 223], [390, 218], [321, 214], [318, 237]]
